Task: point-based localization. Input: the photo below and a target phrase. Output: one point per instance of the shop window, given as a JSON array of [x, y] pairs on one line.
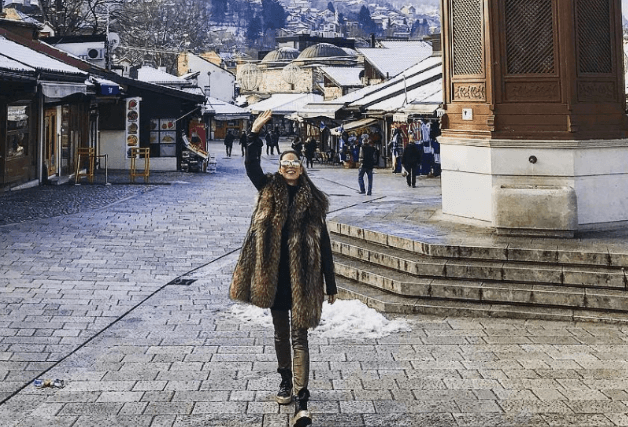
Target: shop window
[[18, 117], [163, 137]]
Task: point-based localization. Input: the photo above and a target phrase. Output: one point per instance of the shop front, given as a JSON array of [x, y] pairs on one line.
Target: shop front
[[18, 153]]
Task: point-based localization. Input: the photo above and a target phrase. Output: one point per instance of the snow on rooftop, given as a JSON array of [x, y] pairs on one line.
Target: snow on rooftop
[[11, 65], [344, 76], [285, 103], [35, 59], [429, 95], [224, 109], [153, 75], [343, 319], [396, 56], [425, 70]]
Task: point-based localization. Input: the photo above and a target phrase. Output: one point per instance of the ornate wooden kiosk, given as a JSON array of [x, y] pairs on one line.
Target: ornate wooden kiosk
[[534, 134]]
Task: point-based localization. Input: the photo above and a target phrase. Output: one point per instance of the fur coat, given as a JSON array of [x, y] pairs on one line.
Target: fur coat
[[256, 273]]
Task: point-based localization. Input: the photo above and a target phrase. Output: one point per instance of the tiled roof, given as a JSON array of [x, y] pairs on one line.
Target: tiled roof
[[35, 59]]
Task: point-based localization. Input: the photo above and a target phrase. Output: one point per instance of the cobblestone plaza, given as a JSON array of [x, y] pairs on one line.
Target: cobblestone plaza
[[121, 291]]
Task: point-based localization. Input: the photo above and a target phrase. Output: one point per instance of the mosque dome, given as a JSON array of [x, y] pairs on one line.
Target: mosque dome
[[283, 54], [322, 50]]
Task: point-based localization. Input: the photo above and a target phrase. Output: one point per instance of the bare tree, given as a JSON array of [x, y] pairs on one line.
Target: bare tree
[[74, 17], [158, 30]]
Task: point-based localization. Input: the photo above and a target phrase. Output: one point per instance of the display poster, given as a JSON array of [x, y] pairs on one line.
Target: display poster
[[132, 128], [197, 134]]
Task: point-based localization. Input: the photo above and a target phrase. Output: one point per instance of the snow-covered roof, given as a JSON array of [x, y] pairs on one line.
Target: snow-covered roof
[[422, 73], [15, 15], [225, 111], [329, 108], [344, 76], [396, 56], [429, 96], [153, 75], [193, 90], [7, 64], [34, 59], [284, 103]]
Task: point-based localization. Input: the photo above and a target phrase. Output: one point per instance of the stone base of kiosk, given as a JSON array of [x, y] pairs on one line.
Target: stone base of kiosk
[[536, 188]]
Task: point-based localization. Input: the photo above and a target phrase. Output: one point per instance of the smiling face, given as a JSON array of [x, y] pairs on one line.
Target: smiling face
[[290, 168]]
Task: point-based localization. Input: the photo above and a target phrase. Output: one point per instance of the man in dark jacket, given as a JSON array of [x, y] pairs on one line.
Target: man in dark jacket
[[243, 141], [411, 160], [269, 141], [367, 162], [229, 142], [275, 138]]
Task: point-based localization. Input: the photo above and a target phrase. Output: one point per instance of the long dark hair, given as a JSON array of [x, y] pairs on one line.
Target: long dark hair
[[318, 195]]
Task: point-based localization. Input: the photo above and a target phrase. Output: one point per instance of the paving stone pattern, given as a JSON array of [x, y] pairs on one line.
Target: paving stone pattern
[[90, 297]]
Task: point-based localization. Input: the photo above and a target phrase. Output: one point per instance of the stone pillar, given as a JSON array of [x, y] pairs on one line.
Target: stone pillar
[[535, 114]]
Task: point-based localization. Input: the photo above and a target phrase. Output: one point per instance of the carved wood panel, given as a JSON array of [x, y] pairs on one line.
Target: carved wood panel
[[469, 92], [596, 91], [532, 91]]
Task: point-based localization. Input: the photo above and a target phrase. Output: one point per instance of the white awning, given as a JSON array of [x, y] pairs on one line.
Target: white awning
[[58, 90], [353, 125], [420, 108]]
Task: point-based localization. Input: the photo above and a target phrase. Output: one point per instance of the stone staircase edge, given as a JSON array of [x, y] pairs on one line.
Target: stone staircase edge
[[503, 252]]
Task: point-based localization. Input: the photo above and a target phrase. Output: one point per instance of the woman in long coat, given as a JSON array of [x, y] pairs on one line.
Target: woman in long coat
[[286, 263]]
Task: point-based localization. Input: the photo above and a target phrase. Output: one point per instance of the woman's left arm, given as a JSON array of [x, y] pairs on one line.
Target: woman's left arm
[[328, 265]]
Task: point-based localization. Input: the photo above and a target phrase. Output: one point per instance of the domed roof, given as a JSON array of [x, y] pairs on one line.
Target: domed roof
[[322, 50], [281, 54], [349, 51]]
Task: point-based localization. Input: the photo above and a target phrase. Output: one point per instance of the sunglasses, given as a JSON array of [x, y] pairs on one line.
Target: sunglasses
[[288, 163]]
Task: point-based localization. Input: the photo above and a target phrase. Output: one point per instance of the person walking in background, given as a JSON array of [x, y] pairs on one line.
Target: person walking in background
[[275, 140], [396, 147], [297, 145], [243, 141], [310, 149], [229, 142], [286, 264], [411, 160], [269, 142], [366, 161]]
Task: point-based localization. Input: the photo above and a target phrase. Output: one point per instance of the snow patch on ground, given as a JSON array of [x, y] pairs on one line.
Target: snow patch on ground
[[344, 319]]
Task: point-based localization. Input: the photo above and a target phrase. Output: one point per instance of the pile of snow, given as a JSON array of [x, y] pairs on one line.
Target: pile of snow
[[344, 319]]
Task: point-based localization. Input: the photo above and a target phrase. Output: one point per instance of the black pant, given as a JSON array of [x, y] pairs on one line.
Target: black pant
[[228, 147], [411, 177]]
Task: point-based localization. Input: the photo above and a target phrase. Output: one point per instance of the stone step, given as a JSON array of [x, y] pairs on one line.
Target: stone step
[[419, 264], [391, 303], [493, 250], [487, 291]]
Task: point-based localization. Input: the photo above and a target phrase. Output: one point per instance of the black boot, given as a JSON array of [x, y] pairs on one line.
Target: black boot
[[284, 395], [302, 416]]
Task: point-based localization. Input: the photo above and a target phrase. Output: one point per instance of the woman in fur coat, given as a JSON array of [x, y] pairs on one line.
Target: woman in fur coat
[[285, 262]]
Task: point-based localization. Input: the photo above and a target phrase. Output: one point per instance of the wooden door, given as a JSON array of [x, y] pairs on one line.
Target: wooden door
[[51, 140]]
